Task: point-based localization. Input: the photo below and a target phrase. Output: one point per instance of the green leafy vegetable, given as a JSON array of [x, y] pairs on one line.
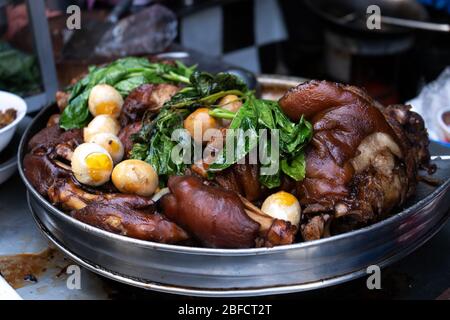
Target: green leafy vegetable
[[125, 75], [207, 84], [243, 132], [155, 142], [270, 181], [222, 113], [256, 115], [206, 89], [295, 166], [19, 72]]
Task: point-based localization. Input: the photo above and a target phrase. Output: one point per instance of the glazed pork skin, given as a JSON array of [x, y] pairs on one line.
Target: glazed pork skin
[[145, 98], [359, 164], [48, 138], [39, 163], [132, 223], [215, 216], [341, 122], [125, 136], [42, 172], [129, 215], [243, 179]]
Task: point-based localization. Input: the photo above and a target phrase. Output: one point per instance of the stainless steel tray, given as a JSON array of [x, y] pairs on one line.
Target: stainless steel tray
[[242, 272]]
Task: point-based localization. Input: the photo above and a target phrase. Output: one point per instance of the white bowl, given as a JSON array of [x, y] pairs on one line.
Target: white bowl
[[9, 100], [444, 128]]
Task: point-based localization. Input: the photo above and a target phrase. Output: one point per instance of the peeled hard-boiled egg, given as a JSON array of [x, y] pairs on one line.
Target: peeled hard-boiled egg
[[101, 124], [284, 206], [136, 177], [231, 103], [198, 122], [111, 143], [104, 99], [91, 164]]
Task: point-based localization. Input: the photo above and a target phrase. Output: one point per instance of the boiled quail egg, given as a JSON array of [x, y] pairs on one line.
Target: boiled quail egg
[[91, 164], [198, 122], [104, 99], [111, 143], [135, 177], [101, 124], [231, 103], [284, 206]]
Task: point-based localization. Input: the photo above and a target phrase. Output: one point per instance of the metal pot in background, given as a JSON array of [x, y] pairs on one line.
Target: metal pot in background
[[371, 63], [373, 59], [350, 15]]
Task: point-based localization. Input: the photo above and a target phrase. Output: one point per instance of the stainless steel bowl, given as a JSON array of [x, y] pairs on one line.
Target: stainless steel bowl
[[241, 272]]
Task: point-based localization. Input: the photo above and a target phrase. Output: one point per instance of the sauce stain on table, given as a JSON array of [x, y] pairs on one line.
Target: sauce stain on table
[[22, 269]]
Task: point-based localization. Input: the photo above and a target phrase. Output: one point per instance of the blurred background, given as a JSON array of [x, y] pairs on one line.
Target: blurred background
[[322, 39]]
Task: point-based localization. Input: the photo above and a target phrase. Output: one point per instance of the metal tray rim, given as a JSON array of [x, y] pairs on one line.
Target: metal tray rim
[[256, 291]]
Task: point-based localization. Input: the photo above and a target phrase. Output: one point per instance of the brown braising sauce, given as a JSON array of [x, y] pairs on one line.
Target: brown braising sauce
[[20, 269]]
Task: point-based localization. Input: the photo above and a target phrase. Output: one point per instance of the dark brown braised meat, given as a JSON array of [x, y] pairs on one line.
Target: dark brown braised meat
[[125, 135], [362, 161], [48, 138], [215, 216], [128, 215], [147, 97], [132, 223], [7, 116], [53, 120], [410, 127], [41, 162], [70, 195], [42, 172], [243, 179], [62, 100], [47, 169], [220, 218]]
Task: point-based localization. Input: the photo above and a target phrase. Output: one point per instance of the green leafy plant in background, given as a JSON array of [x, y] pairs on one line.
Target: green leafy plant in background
[[125, 75], [19, 72]]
